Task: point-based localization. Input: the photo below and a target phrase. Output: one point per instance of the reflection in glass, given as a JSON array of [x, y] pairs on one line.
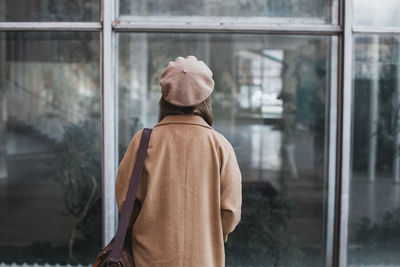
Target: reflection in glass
[[50, 206], [385, 13], [283, 11], [374, 222], [49, 10], [270, 101]]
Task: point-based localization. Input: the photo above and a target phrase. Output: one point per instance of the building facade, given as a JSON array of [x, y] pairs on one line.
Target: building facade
[[307, 92]]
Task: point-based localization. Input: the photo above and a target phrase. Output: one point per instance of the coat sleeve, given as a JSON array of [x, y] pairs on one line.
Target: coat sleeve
[[124, 173], [231, 192]]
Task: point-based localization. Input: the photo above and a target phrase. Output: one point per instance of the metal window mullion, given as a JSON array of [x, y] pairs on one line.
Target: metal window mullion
[[109, 123], [344, 137], [331, 156], [376, 30], [50, 26], [335, 67], [219, 27]]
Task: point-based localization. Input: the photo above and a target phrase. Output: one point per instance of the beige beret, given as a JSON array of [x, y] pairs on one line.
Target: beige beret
[[186, 82]]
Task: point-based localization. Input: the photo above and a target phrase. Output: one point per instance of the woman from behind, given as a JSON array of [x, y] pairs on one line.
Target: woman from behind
[[190, 193]]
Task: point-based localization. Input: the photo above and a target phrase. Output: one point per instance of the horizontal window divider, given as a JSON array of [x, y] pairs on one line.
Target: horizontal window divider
[[253, 20], [376, 30], [50, 26], [221, 27]]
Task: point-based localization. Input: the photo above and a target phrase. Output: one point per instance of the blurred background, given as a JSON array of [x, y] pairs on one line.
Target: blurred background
[[277, 99]]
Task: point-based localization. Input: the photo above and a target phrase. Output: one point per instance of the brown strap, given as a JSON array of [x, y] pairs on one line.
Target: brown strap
[[130, 198]]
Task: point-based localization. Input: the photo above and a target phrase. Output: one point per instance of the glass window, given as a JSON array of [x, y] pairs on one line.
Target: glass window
[[271, 101], [374, 222], [253, 11], [49, 10], [50, 172], [384, 13]]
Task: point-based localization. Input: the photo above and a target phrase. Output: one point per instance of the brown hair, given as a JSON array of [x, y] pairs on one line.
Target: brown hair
[[203, 109]]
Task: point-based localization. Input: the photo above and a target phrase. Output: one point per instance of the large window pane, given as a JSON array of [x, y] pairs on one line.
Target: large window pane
[[253, 11], [271, 101], [49, 10], [384, 13], [374, 226], [50, 206]]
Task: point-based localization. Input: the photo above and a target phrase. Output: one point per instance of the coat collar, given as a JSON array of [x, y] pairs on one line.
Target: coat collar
[[184, 119]]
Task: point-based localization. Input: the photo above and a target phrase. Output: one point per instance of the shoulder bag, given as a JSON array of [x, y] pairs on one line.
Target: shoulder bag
[[118, 252]]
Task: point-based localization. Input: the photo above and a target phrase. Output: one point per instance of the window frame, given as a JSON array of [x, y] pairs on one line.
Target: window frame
[[340, 101]]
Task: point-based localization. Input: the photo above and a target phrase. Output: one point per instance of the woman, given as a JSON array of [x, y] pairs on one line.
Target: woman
[[190, 195]]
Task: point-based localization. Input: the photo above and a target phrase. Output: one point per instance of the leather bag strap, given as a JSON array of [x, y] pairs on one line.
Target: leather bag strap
[[130, 198]]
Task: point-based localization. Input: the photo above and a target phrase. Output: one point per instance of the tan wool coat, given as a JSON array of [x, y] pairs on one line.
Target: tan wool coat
[[190, 194]]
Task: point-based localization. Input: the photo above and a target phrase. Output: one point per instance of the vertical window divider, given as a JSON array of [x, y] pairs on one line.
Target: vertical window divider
[[343, 161], [109, 117], [330, 159]]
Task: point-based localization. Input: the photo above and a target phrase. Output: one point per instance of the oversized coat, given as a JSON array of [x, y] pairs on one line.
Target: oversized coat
[[190, 194]]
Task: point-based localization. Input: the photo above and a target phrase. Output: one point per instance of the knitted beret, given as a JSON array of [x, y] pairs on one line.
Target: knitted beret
[[186, 82]]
